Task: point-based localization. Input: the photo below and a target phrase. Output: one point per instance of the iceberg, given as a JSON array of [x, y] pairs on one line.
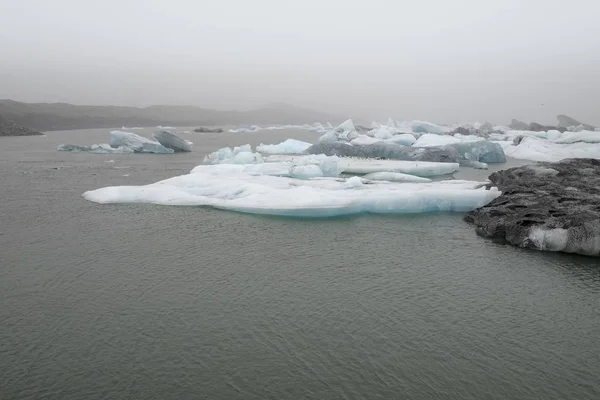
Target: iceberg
[[405, 139], [137, 143], [480, 151], [363, 140], [431, 140], [531, 148], [290, 146], [428, 127], [581, 136], [228, 187], [386, 150], [417, 168], [173, 142]]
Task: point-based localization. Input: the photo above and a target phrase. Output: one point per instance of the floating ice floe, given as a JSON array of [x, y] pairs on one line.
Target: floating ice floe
[[231, 187], [94, 149]]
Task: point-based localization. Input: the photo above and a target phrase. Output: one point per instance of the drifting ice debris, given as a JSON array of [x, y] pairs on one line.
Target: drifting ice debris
[[122, 142], [95, 149], [173, 142]]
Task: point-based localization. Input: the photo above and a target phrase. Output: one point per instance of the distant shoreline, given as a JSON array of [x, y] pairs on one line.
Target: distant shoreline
[[46, 117]]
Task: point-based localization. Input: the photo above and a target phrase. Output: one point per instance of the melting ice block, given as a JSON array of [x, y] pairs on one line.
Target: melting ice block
[[137, 143], [418, 168], [290, 146], [395, 177], [229, 187]]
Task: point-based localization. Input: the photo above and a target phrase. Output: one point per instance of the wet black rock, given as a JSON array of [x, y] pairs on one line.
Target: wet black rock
[[9, 128], [208, 130], [545, 206]]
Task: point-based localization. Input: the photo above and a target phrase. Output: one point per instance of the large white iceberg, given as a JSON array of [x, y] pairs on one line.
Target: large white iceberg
[[531, 148], [290, 146], [137, 143], [229, 187], [581, 136]]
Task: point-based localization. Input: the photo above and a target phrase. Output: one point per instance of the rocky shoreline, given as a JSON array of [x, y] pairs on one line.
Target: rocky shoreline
[[9, 128], [545, 206]]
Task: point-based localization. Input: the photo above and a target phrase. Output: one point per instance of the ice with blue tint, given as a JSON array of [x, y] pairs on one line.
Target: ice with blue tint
[[172, 141], [290, 146], [94, 149], [405, 139], [364, 140], [137, 143], [428, 127], [229, 187], [237, 155], [480, 151]]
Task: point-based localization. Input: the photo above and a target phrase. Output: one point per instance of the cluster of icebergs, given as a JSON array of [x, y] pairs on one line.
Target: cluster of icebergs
[[307, 185], [316, 127], [397, 167], [128, 142]]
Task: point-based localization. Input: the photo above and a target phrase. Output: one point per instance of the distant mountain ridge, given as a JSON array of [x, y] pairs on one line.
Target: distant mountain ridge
[[64, 116]]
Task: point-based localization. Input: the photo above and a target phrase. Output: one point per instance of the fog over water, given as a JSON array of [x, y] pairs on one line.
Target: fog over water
[[443, 61]]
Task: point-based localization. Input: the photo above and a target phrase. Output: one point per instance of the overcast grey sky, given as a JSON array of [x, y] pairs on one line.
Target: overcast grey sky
[[441, 60]]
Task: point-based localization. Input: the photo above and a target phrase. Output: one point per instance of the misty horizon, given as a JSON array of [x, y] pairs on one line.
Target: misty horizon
[[447, 63]]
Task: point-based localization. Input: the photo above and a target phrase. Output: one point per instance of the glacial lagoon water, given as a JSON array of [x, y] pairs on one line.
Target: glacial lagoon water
[[155, 302]]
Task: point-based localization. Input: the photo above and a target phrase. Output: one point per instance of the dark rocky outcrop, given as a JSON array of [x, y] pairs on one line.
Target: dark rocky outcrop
[[208, 130], [545, 206], [9, 128], [518, 125]]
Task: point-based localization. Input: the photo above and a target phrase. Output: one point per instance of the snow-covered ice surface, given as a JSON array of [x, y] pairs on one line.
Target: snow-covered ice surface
[[289, 146], [231, 187]]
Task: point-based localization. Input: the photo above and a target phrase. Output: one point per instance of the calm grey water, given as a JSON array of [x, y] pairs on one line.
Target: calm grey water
[[154, 302]]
